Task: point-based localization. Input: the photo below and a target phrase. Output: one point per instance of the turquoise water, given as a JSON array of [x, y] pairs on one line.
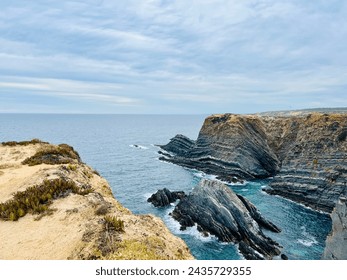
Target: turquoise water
[[106, 142]]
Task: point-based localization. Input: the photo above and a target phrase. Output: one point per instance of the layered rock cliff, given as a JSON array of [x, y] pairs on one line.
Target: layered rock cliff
[[305, 153], [216, 209], [53, 206]]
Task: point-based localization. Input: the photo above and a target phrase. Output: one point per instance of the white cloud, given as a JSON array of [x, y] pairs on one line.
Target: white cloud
[[101, 92]]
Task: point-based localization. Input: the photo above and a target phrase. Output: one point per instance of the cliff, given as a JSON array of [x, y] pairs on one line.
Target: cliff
[[304, 153], [53, 206], [336, 243]]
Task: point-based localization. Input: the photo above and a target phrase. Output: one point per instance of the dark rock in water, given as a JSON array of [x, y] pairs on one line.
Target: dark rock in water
[[254, 212], [164, 197], [305, 153], [336, 243], [216, 209], [179, 145], [284, 257]]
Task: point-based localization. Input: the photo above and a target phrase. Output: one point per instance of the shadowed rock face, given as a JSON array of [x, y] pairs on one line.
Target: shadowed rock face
[[216, 209], [304, 153], [336, 243]]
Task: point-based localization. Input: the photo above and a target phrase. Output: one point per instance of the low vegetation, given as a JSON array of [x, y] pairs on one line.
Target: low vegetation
[[61, 154], [113, 224], [148, 249], [23, 143], [37, 199]]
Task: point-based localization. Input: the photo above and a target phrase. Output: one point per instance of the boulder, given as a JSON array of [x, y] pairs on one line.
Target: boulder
[[164, 197]]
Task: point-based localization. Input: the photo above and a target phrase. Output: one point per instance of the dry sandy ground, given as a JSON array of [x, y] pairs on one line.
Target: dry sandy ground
[[74, 230]]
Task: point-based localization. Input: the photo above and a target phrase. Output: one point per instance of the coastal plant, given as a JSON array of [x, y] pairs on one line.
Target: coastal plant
[[37, 199], [113, 224], [23, 143], [61, 154], [72, 167]]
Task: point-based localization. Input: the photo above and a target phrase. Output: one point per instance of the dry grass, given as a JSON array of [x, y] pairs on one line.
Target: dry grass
[[148, 249], [23, 143]]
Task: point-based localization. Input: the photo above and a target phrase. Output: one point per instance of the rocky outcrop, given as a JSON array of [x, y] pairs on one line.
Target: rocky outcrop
[[216, 209], [336, 243], [305, 153], [53, 206], [164, 197]]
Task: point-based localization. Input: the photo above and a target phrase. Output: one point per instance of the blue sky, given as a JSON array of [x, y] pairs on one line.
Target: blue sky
[[152, 56]]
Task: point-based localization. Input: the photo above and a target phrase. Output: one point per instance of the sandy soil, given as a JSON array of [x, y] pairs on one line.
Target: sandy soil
[[74, 230]]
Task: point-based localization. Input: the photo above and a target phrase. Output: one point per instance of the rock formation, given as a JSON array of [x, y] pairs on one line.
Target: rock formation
[[164, 197], [216, 209], [53, 206], [336, 243], [305, 153]]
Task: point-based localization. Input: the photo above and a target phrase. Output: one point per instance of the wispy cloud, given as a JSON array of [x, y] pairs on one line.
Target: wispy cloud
[[225, 55]]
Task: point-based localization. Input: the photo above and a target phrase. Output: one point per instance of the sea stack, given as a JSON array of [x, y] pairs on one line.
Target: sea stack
[[217, 210]]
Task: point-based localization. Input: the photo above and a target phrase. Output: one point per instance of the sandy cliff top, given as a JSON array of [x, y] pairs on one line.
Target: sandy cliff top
[[73, 223]]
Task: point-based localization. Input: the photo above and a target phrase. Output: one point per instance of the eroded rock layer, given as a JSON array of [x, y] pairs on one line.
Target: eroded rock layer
[[216, 209], [306, 154]]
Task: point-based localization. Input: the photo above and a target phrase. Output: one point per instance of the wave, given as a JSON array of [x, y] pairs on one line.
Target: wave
[[308, 239], [175, 226]]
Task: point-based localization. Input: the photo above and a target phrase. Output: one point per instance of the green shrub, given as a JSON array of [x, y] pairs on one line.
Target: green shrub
[[113, 223], [37, 199]]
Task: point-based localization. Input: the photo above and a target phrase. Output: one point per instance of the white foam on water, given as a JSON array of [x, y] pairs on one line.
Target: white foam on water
[[138, 147], [174, 226], [244, 190], [147, 195], [307, 243], [308, 239]]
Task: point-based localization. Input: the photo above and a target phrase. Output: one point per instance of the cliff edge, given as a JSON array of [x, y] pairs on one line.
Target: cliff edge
[[53, 206]]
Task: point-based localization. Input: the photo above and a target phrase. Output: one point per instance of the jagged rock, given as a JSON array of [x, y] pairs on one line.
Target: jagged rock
[[256, 215], [164, 197], [305, 153], [336, 243], [216, 209]]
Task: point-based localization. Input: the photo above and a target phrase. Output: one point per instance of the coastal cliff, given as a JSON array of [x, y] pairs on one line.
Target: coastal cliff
[[303, 152], [53, 206]]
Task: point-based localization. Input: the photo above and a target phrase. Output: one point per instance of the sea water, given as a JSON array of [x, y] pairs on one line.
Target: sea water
[[123, 149]]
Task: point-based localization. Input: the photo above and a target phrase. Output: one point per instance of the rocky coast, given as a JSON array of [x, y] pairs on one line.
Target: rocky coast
[[304, 154]]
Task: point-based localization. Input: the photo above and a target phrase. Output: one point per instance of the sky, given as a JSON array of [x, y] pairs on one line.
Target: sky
[[172, 57]]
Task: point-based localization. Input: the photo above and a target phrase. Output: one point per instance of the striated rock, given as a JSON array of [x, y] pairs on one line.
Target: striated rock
[[336, 243], [304, 152], [164, 197], [216, 209], [229, 146]]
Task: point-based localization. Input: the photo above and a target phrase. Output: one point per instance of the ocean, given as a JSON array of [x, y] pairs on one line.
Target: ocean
[[122, 148]]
